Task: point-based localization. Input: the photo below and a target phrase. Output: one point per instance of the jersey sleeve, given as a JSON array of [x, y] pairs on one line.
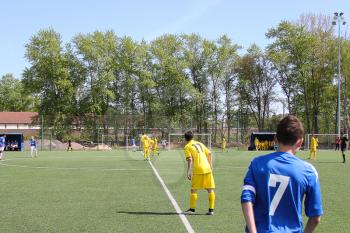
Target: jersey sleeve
[[313, 199], [206, 151], [249, 186]]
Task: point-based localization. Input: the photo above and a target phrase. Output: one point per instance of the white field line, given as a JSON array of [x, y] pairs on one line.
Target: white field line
[[72, 168], [173, 201]]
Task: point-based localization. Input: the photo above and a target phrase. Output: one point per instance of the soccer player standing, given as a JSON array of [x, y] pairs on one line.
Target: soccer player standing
[[155, 146], [223, 145], [313, 147], [256, 143], [146, 144], [32, 144], [2, 145], [199, 170], [337, 143], [276, 184], [133, 144], [343, 145]]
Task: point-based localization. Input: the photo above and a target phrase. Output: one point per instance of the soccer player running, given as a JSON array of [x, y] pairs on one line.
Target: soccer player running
[[2, 145], [32, 144], [199, 170], [343, 145], [276, 184]]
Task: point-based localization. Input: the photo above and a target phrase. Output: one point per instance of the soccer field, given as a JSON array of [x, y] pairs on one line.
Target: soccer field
[[116, 191]]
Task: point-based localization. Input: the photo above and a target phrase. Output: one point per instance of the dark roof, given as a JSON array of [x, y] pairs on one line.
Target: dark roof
[[17, 117]]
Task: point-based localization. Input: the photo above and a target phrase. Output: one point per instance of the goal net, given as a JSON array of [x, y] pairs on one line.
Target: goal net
[[325, 141], [177, 141]]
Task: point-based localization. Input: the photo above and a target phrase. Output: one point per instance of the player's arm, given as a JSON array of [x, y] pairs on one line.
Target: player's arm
[[313, 202], [188, 157], [189, 166], [248, 212], [312, 224], [248, 199], [209, 157]]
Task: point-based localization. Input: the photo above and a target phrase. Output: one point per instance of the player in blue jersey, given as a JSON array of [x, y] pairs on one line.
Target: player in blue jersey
[[276, 184], [32, 144], [133, 144], [2, 145]]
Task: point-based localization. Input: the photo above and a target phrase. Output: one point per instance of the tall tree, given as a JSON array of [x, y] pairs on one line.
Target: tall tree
[[48, 78], [196, 61], [256, 84], [227, 56]]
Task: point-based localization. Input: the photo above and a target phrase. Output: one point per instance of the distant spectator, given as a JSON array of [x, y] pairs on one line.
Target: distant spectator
[[69, 145]]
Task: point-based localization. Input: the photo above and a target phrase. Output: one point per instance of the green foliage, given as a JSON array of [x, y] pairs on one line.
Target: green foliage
[[13, 96], [183, 81]]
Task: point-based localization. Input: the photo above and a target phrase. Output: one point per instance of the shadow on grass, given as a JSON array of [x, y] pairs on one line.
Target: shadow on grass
[[152, 213]]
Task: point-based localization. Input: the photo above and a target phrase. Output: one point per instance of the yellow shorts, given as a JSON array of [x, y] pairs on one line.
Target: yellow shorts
[[203, 181], [146, 150]]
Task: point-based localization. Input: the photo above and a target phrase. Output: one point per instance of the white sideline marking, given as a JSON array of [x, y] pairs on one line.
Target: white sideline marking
[[73, 168], [173, 201]]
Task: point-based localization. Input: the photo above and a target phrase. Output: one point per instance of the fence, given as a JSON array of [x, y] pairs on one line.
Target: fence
[[116, 131]]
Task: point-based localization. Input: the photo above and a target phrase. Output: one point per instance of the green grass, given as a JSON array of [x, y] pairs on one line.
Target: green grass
[[117, 192]]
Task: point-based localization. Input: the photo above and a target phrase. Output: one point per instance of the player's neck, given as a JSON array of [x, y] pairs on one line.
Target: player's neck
[[287, 149]]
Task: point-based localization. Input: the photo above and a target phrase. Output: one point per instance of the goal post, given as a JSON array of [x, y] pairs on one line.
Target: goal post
[[45, 141], [177, 140], [325, 141]]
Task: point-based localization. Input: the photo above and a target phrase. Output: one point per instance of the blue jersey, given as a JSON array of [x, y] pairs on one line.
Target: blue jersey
[[32, 142], [276, 185], [133, 142], [2, 141]]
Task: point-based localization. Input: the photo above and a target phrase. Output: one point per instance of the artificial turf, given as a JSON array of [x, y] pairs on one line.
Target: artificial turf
[[116, 191]]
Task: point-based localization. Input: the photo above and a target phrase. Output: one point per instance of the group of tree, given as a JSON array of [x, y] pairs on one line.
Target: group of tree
[[184, 80]]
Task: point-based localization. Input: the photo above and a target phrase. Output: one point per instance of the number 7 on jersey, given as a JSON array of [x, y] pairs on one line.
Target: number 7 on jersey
[[274, 179]]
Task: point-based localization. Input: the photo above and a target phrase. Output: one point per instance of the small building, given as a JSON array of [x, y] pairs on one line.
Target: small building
[[26, 123]]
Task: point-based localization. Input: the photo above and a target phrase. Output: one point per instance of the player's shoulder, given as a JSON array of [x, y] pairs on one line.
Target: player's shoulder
[[265, 157], [188, 144], [309, 168]]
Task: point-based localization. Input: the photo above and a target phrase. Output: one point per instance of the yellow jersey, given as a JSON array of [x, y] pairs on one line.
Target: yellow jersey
[[145, 140], [199, 153], [155, 143], [314, 142], [223, 143]]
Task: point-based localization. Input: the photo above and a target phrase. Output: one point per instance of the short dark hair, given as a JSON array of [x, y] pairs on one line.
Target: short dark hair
[[189, 135], [289, 130]]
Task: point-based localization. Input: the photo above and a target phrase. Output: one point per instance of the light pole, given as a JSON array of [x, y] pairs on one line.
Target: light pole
[[338, 19]]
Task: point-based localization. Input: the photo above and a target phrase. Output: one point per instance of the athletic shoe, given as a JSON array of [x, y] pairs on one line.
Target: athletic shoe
[[210, 212], [190, 211]]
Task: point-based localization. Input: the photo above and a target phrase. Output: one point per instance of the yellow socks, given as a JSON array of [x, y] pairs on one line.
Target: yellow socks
[[194, 196], [193, 200], [211, 200]]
